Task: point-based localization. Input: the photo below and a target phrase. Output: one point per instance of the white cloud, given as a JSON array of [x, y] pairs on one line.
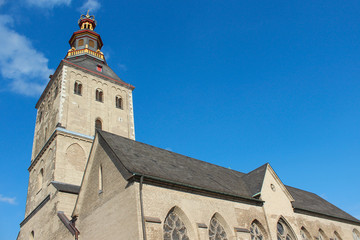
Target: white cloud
[[21, 64], [48, 3], [92, 5], [2, 2], [7, 199]]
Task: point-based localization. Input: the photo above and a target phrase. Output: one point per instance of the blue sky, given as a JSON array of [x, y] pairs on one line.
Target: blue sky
[[234, 83]]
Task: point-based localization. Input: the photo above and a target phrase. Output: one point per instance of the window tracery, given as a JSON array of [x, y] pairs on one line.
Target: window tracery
[[356, 235], [255, 232], [304, 234], [216, 230], [174, 228], [283, 231]]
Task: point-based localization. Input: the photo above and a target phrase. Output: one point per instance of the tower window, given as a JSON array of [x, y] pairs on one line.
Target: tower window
[[40, 117], [99, 68], [40, 179], [81, 42], [118, 102], [91, 43], [78, 88], [99, 95], [32, 235], [98, 124]]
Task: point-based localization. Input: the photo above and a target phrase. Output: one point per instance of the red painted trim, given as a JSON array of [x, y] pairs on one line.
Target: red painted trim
[[84, 31], [123, 83]]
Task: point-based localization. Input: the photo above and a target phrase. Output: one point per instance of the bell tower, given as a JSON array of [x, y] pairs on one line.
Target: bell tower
[[84, 93]]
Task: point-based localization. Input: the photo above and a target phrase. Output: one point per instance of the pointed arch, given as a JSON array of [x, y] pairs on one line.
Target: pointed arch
[[177, 224], [305, 235], [284, 231], [75, 155], [356, 234], [257, 231], [322, 235], [218, 228], [337, 236], [32, 235]]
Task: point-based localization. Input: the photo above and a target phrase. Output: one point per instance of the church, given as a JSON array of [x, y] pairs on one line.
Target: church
[[89, 179]]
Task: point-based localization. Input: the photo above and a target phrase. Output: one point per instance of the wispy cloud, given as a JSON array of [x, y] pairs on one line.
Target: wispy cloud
[[7, 199], [25, 68], [48, 3], [2, 2], [92, 5]]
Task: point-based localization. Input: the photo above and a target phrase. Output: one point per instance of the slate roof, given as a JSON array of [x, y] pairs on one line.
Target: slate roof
[[90, 63], [147, 160]]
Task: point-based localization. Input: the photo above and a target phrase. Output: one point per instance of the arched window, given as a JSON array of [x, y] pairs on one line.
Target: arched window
[[99, 95], [322, 235], [174, 228], [256, 231], [356, 234], [40, 116], [40, 179], [91, 43], [32, 235], [216, 230], [304, 234], [337, 236], [98, 124], [118, 102], [78, 88], [81, 42], [284, 232], [100, 179]]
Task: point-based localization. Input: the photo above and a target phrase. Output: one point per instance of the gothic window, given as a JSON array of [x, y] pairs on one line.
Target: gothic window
[[118, 102], [98, 124], [322, 235], [81, 42], [216, 231], [78, 88], [304, 234], [356, 235], [40, 179], [255, 232], [284, 232], [91, 43], [32, 235], [99, 95], [174, 228], [337, 236]]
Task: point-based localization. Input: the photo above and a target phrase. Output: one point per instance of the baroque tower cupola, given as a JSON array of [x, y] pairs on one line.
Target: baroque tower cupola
[[86, 41]]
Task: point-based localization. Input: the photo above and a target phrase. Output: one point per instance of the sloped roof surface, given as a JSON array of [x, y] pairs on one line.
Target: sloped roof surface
[[311, 202], [141, 158], [255, 178], [151, 161], [91, 64]]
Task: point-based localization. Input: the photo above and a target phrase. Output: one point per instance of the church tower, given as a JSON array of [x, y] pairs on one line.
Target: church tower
[[83, 94]]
